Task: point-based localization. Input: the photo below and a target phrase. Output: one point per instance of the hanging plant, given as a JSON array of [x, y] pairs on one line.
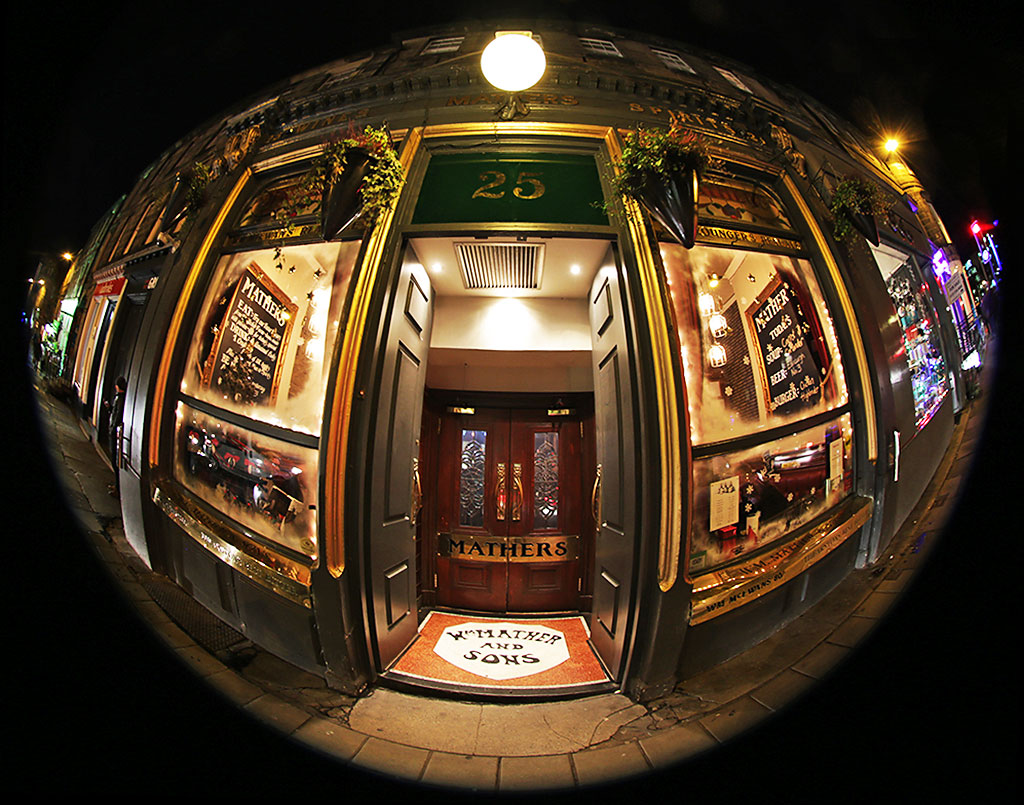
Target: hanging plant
[[661, 169], [855, 203], [195, 195], [365, 153]]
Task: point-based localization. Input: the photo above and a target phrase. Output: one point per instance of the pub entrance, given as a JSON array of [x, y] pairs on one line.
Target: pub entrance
[[512, 530], [522, 330]]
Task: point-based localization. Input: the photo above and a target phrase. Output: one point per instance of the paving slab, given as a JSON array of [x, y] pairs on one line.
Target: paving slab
[[605, 764], [737, 717], [391, 759], [545, 772], [330, 737], [820, 662], [471, 772], [281, 715], [676, 744], [784, 689], [436, 724]]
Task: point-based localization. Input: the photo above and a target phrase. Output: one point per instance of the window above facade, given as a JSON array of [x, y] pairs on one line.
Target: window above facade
[[673, 61], [733, 79], [600, 47], [444, 44]]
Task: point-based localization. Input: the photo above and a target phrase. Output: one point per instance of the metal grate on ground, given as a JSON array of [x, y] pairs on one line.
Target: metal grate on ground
[[198, 622]]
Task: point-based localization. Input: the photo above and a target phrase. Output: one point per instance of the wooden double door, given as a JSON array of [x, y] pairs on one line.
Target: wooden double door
[[512, 532]]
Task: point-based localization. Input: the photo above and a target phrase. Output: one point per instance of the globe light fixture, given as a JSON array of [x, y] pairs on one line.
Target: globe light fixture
[[513, 61]]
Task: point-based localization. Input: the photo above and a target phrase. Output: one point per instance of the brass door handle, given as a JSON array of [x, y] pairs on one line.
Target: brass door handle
[[517, 498], [499, 493], [595, 498], [417, 492]]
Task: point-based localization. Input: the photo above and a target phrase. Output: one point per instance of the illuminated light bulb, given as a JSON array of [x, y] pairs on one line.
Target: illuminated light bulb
[[892, 145], [513, 61], [713, 282], [575, 268], [706, 303], [436, 268], [718, 325], [716, 355]]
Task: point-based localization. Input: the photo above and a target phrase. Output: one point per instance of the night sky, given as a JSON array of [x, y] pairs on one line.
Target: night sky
[[94, 92]]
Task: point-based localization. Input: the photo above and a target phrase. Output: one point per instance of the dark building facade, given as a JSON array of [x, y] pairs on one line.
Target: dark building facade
[[515, 395]]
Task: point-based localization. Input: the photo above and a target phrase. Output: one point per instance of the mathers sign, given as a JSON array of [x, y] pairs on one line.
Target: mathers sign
[[502, 650]]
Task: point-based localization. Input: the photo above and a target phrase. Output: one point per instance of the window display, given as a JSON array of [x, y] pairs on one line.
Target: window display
[[919, 323], [748, 499], [266, 485], [758, 345], [266, 332]]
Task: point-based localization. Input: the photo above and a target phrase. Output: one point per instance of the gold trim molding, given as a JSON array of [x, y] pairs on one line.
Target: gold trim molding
[[287, 578], [345, 387], [173, 330], [670, 533], [724, 590], [860, 355]]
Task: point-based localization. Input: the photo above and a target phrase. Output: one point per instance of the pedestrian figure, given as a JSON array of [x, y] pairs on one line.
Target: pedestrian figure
[[116, 406]]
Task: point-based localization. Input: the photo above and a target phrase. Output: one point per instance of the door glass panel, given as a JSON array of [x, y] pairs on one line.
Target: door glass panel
[[545, 480], [471, 478]]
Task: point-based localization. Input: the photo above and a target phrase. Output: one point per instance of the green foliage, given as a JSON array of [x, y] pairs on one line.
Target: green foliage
[[658, 152], [195, 195], [855, 195], [380, 186]]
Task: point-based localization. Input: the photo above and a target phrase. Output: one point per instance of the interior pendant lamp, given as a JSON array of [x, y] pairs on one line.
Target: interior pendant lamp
[[513, 61]]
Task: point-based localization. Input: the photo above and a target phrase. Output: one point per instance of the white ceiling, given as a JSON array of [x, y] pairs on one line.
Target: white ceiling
[[437, 256]]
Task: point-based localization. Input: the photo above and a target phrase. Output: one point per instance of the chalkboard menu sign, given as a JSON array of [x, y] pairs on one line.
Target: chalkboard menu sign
[[245, 361], [790, 371]]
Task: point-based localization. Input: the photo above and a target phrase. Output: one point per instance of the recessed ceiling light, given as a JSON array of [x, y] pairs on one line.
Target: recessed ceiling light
[[575, 268], [436, 268]]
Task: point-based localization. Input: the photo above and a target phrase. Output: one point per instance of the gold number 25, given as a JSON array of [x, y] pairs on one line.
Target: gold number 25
[[527, 186]]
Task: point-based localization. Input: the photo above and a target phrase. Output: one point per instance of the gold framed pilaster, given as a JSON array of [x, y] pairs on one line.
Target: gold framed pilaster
[[174, 329], [670, 439], [859, 353], [345, 387]]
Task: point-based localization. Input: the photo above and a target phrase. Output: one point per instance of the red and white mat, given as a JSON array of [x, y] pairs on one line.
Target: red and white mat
[[501, 654]]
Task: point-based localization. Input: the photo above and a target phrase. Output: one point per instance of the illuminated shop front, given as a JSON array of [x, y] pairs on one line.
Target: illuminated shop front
[[515, 398]]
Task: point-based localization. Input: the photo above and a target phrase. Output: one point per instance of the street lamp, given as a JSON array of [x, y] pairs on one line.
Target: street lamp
[[513, 61]]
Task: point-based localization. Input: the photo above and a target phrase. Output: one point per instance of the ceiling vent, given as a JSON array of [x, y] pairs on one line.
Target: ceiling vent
[[501, 265]]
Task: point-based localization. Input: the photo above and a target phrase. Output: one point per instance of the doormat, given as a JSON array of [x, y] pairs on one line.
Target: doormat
[[502, 656]]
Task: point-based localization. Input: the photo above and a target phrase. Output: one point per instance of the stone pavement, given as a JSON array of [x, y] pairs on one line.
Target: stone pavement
[[484, 747]]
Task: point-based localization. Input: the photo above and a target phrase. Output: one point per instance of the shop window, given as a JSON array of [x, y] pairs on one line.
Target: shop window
[[673, 61], [748, 500], [738, 203], [262, 210], [266, 485], [600, 47], [919, 330], [266, 330], [758, 344]]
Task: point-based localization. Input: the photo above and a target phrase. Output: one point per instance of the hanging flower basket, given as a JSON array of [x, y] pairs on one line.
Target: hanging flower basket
[[661, 169], [344, 203], [357, 176], [855, 203]]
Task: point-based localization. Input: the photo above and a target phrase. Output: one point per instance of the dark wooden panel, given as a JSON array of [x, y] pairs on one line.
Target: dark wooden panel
[[406, 383], [607, 602], [417, 305], [397, 594]]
